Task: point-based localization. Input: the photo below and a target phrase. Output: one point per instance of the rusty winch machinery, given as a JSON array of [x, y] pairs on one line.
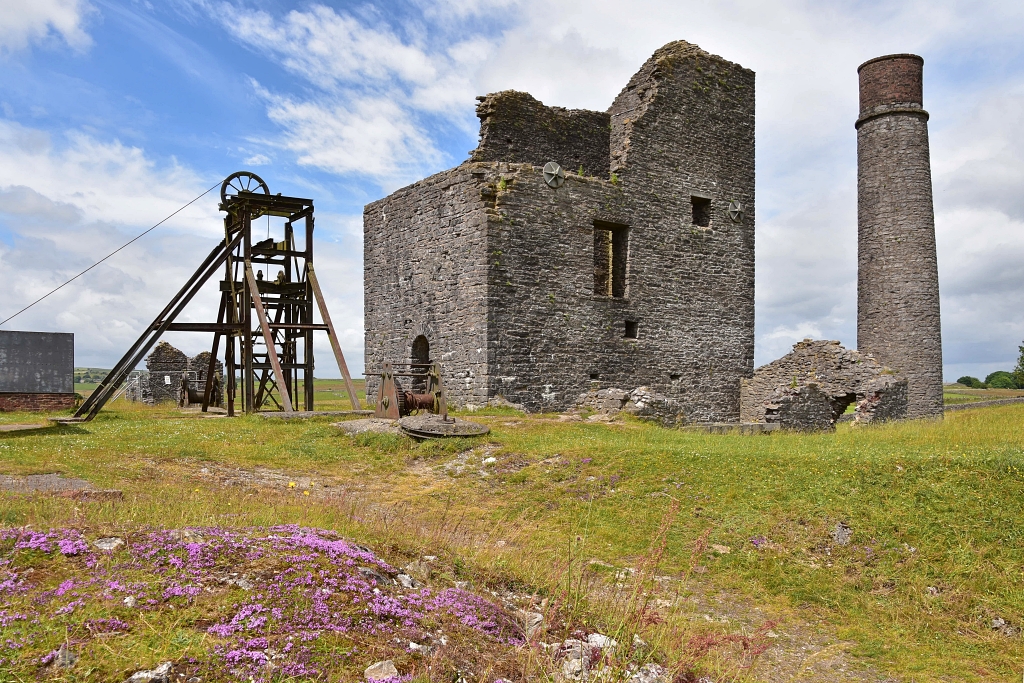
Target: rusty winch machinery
[[413, 394], [268, 294], [423, 390]]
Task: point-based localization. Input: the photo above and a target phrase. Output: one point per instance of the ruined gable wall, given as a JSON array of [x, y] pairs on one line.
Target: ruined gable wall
[[165, 362], [517, 128], [425, 263], [684, 125]]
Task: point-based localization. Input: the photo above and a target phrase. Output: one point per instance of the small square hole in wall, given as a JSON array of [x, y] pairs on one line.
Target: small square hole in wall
[[674, 377], [595, 375], [701, 211], [632, 329]]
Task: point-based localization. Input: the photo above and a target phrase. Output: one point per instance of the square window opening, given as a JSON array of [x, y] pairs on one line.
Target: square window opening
[[674, 377], [611, 254], [701, 211], [595, 375], [632, 329]]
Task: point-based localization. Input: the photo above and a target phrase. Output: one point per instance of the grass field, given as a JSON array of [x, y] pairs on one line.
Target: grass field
[[957, 393], [934, 510]]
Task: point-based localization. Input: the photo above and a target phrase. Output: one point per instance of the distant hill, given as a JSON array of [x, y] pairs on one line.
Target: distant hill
[[90, 375]]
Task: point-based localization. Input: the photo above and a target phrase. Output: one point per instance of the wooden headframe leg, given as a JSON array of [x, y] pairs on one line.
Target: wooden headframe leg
[[335, 344]]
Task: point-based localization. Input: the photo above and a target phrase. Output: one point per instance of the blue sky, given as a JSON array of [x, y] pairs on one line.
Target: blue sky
[[115, 112]]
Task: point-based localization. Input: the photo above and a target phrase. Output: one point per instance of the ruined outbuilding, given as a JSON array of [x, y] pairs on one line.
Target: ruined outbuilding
[[579, 250], [171, 371], [813, 385]]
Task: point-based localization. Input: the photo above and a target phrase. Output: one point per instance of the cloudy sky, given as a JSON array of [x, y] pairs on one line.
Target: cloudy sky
[[114, 113]]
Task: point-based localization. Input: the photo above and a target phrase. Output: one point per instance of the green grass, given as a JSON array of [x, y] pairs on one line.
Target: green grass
[[932, 505]]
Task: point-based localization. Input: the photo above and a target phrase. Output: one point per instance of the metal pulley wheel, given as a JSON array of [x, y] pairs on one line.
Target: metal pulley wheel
[[242, 181]]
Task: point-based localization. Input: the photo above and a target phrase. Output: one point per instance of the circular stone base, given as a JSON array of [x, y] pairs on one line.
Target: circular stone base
[[430, 426]]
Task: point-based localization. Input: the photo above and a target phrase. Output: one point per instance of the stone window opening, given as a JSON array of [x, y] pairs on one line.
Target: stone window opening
[[420, 357], [611, 254], [595, 375], [632, 329], [701, 208]]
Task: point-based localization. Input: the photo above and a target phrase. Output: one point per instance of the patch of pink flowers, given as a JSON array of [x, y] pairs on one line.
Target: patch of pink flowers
[[287, 589]]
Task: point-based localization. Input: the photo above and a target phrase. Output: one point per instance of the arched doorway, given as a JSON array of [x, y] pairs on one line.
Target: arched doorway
[[420, 358]]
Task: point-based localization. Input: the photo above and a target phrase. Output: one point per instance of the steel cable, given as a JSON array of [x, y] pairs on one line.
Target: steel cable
[[137, 237]]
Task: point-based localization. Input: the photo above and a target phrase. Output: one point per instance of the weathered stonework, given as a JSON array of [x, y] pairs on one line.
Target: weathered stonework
[[166, 365], [805, 407], [641, 402], [812, 386], [517, 128], [898, 284], [639, 277]]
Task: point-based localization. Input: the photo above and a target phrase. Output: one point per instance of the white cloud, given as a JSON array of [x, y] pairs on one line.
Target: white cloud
[[23, 22], [64, 206], [66, 203], [372, 91], [369, 136], [106, 181]]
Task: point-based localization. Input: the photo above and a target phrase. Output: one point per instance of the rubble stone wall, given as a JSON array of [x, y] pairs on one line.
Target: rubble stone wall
[[166, 364], [498, 269], [822, 368], [804, 408], [517, 128], [425, 265]]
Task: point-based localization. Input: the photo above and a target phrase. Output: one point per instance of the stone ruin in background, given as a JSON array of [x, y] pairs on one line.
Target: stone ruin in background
[[170, 371], [811, 387]]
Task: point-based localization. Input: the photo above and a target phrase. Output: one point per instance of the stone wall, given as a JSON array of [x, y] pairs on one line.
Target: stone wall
[[166, 365], [898, 317], [517, 128], [805, 407], [16, 401], [789, 390], [425, 264], [497, 269]]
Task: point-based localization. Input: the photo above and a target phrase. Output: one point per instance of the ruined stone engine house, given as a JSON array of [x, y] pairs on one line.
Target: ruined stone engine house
[[628, 261]]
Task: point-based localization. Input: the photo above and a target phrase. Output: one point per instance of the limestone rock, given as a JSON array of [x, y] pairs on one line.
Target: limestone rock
[[108, 544], [381, 671], [842, 534], [642, 402], [650, 673], [160, 674]]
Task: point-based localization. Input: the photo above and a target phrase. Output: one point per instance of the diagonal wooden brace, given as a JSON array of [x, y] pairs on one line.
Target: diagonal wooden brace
[[335, 344], [268, 337]]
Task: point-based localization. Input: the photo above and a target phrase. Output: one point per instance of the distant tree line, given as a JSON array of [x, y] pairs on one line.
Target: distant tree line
[[90, 376], [1000, 379]]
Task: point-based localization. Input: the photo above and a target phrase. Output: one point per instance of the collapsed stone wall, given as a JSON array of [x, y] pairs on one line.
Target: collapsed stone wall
[[814, 384], [166, 364], [646, 404], [517, 128]]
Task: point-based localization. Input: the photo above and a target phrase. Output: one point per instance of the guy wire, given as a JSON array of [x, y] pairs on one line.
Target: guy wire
[[111, 253]]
